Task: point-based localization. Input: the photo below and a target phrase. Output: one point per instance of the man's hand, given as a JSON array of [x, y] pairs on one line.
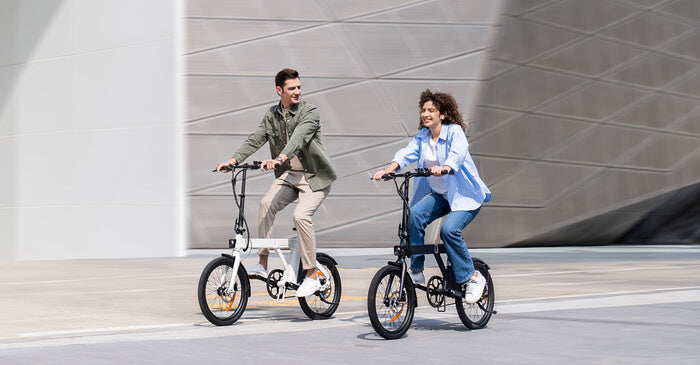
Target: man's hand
[[229, 162], [272, 164]]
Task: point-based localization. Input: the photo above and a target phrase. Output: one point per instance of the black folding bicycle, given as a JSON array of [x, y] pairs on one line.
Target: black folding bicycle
[[391, 300]]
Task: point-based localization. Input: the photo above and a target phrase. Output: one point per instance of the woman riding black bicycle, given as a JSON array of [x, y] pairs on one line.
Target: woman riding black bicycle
[[441, 146]]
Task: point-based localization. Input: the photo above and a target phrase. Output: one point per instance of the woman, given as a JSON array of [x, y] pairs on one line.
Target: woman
[[441, 144]]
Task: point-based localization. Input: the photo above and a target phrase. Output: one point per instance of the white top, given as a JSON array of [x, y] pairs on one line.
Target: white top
[[437, 183]]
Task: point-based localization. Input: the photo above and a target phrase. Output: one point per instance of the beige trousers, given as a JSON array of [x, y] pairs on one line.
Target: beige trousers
[[285, 190]]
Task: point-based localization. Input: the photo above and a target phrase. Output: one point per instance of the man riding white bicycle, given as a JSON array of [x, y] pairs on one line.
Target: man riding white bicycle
[[302, 169]]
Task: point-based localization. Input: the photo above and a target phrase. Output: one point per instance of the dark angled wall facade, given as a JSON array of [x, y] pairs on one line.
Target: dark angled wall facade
[[585, 118]]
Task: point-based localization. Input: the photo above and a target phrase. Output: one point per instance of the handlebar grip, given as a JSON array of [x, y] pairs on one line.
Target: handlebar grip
[[226, 168]]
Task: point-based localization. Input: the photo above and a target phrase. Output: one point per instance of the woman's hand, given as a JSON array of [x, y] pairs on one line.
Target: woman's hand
[[393, 166], [379, 174], [437, 170]]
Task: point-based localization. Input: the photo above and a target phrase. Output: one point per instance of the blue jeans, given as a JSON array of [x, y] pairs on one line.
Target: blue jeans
[[430, 208]]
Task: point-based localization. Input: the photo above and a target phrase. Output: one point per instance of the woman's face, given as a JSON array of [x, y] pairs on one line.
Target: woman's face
[[430, 115]]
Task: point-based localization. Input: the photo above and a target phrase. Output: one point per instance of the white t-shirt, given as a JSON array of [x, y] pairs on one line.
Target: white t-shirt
[[437, 183]]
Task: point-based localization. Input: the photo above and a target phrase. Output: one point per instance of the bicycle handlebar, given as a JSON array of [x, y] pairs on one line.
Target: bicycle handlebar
[[416, 172], [254, 166]]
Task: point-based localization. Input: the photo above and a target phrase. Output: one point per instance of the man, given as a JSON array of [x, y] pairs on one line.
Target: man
[[293, 129]]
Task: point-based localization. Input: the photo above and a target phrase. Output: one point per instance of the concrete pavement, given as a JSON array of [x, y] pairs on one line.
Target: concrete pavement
[[583, 299]]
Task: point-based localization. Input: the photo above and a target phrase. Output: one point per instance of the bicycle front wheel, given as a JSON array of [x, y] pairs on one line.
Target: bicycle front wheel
[[323, 303], [477, 315], [390, 306], [221, 303]]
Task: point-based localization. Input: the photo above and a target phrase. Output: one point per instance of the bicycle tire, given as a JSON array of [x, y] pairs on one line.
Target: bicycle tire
[[390, 316], [322, 304], [477, 315], [220, 307]]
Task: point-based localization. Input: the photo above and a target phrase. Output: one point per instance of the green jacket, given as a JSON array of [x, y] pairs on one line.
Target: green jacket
[[304, 128]]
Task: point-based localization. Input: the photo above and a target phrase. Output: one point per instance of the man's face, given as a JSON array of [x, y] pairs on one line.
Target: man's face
[[290, 93]]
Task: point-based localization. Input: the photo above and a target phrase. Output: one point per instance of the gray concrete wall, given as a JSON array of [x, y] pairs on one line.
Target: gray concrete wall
[[584, 113], [363, 63], [90, 129], [591, 111]]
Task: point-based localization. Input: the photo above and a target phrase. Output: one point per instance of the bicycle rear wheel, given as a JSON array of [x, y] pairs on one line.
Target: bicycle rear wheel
[[477, 315], [390, 307], [219, 304], [323, 303]]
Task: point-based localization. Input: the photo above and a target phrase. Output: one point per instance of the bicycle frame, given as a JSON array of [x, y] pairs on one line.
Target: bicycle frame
[[405, 249], [292, 268]]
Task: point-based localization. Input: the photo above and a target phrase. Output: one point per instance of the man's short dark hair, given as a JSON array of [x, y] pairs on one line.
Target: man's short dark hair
[[284, 75]]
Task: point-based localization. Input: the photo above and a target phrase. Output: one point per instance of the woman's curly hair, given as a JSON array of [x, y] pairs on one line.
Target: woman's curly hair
[[446, 104]]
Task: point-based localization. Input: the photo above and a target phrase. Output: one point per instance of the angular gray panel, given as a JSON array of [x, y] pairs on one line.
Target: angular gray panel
[[527, 87], [204, 34], [689, 9], [485, 120], [586, 16], [375, 231], [384, 48], [691, 124], [340, 9], [463, 67], [537, 183], [645, 3], [358, 109], [648, 30], [494, 170], [367, 160], [530, 136], [496, 226], [518, 7], [241, 122], [205, 152], [665, 152], [213, 95], [605, 192], [596, 101], [442, 11], [243, 9], [403, 97], [339, 58], [520, 40], [494, 68], [688, 46], [590, 57], [655, 70], [602, 145], [689, 85], [659, 111]]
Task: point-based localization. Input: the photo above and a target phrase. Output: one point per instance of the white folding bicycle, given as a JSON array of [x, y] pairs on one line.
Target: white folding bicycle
[[224, 285]]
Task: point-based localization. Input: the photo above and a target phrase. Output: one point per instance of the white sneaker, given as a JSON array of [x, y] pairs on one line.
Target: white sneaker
[[417, 277], [308, 287], [474, 288], [257, 270]]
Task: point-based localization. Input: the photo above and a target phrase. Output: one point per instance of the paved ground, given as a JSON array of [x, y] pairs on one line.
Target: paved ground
[[574, 304]]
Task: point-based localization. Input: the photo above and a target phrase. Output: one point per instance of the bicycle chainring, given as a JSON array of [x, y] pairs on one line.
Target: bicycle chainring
[[272, 279], [434, 291]]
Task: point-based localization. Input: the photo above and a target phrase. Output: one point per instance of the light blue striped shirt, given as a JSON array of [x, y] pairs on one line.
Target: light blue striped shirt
[[465, 189]]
